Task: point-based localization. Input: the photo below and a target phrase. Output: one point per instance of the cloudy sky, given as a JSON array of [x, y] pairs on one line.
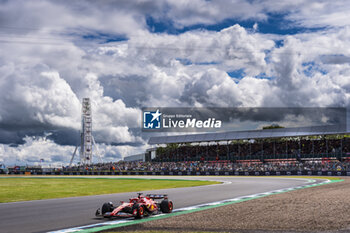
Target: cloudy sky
[[126, 55]]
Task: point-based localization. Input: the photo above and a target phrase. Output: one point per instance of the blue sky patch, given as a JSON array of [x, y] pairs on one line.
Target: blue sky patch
[[207, 63], [263, 76], [104, 37], [279, 43], [275, 24], [238, 74], [187, 62], [311, 67], [184, 61], [161, 26]]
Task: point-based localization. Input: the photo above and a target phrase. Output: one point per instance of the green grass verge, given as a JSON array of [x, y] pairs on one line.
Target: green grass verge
[[313, 177], [25, 189], [158, 231]]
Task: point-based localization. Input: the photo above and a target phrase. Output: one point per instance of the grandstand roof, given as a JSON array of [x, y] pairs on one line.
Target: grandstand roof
[[251, 134]]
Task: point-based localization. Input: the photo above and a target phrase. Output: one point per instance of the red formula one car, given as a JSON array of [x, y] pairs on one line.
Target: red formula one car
[[137, 207]]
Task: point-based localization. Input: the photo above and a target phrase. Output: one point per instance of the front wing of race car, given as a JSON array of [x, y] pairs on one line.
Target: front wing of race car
[[124, 210]]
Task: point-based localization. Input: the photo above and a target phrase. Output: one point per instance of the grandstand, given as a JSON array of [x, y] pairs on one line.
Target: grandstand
[[318, 150], [326, 143], [135, 158]]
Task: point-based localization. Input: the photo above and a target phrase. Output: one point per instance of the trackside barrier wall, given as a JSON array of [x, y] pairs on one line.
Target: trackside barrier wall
[[217, 173]]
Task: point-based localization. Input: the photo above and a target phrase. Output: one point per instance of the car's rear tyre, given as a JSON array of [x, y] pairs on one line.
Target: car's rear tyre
[[138, 211], [166, 206], [107, 207]]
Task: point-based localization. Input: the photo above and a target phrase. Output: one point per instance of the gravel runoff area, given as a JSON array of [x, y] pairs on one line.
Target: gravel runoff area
[[324, 208]]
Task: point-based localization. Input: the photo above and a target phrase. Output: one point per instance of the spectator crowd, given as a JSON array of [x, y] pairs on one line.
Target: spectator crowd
[[293, 154], [257, 149], [213, 166]]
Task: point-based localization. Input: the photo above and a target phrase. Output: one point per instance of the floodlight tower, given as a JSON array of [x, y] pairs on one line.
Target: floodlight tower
[[86, 138]]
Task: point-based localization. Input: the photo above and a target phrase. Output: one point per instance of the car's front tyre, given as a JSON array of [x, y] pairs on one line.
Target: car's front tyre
[[107, 207], [138, 211]]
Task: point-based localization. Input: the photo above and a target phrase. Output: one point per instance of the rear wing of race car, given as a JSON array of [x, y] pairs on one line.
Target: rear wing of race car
[[157, 196]]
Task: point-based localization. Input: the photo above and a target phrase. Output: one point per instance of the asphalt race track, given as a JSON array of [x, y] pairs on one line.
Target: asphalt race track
[[56, 214]]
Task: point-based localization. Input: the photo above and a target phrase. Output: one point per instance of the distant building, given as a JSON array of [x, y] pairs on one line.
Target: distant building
[[136, 158]]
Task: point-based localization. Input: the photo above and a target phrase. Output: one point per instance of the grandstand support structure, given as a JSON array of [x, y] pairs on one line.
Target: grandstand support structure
[[87, 141]]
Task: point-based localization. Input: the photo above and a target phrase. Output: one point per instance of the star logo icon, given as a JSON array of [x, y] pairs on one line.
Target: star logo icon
[[152, 119], [156, 115]]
